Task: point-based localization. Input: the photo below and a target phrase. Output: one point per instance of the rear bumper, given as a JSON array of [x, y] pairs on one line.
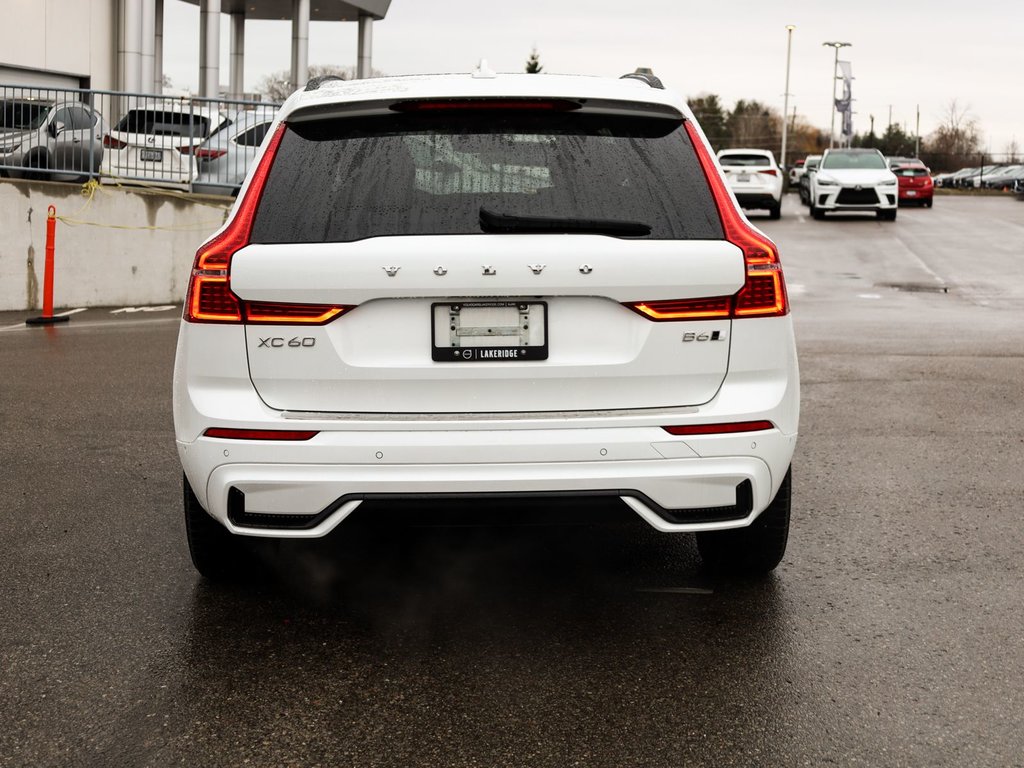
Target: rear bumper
[[675, 484], [756, 199], [911, 194], [252, 491]]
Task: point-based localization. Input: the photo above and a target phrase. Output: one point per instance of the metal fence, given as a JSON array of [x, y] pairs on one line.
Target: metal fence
[[185, 142]]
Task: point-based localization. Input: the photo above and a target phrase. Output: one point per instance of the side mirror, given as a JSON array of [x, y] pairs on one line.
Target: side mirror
[[57, 127]]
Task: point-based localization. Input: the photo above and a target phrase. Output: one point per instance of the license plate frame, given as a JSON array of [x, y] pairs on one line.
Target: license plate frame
[[456, 325], [151, 155], [743, 178]]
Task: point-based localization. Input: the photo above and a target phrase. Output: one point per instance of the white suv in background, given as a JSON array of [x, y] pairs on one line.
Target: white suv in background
[[486, 286], [754, 177], [854, 180]]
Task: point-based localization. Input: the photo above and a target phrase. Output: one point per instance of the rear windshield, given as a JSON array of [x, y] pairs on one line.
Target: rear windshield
[[910, 171], [155, 122], [759, 160], [871, 160], [347, 179]]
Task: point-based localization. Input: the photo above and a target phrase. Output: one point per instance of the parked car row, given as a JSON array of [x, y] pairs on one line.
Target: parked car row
[[1002, 177], [163, 141]]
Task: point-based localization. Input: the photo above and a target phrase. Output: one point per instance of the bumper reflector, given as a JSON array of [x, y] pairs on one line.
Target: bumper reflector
[[720, 429], [259, 434]]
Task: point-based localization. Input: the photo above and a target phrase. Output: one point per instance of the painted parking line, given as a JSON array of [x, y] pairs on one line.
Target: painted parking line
[[132, 310], [70, 312]]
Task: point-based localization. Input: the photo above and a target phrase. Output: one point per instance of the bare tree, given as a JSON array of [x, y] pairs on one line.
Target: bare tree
[[1013, 151], [957, 140], [277, 86]]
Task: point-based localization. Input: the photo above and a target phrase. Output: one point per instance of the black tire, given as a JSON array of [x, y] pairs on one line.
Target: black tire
[[755, 550], [886, 215], [217, 554], [775, 212], [928, 203], [817, 213], [38, 165]]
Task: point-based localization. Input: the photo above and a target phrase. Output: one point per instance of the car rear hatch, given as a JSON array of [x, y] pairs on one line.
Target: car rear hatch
[[156, 143], [482, 258]]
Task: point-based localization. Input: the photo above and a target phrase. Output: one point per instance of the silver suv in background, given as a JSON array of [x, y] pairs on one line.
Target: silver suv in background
[[225, 157], [42, 138]]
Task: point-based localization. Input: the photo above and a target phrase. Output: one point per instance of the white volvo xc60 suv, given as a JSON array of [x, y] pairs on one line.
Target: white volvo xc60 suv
[[486, 286]]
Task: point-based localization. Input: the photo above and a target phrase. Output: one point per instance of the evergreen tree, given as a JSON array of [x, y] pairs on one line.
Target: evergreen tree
[[533, 65], [708, 110]]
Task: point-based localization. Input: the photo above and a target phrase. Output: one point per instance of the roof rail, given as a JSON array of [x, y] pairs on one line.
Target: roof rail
[[315, 82], [644, 75]]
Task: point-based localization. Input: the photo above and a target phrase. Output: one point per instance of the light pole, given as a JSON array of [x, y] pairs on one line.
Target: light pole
[[835, 76], [785, 95]]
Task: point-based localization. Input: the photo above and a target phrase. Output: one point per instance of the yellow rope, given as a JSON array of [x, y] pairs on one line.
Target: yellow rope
[[92, 186]]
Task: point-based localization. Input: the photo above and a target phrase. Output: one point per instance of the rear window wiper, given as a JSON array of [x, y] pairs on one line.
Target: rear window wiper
[[503, 222]]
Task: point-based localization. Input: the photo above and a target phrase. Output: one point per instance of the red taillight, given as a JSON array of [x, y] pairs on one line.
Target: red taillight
[[111, 143], [202, 153], [259, 434], [210, 299], [685, 309], [277, 312], [768, 171], [720, 429], [763, 293]]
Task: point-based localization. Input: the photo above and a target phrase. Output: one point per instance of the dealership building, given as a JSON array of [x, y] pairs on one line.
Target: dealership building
[[118, 44]]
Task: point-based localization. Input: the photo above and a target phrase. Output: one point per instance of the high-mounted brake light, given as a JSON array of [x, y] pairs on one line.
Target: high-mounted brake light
[[210, 299], [259, 434], [764, 291], [560, 105], [720, 429]]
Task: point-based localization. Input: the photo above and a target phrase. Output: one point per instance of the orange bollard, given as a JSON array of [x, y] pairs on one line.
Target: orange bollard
[[47, 317]]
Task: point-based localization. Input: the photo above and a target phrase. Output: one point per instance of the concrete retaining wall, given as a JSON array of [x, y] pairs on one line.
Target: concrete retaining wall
[[122, 262]]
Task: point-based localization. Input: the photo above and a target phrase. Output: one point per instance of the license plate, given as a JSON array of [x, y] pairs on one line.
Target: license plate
[[911, 193], [151, 155], [489, 331], [743, 177]]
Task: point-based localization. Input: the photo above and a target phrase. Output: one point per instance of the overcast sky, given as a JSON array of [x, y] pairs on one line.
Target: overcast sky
[[904, 52]]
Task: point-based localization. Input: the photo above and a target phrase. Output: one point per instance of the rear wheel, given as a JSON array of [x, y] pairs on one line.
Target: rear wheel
[[928, 203], [775, 211], [38, 162], [756, 549], [217, 554]]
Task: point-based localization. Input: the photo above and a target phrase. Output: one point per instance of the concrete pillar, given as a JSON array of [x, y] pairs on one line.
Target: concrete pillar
[[300, 42], [237, 60], [364, 63], [148, 44], [209, 47], [158, 46], [129, 46]]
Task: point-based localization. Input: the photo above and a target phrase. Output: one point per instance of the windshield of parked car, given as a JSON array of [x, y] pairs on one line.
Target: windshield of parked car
[[430, 173], [23, 115], [840, 159], [753, 160]]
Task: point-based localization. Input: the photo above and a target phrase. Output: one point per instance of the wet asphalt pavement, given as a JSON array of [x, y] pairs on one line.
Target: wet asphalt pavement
[[892, 634]]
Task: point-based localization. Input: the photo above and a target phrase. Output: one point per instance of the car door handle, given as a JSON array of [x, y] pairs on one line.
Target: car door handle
[[76, 141]]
